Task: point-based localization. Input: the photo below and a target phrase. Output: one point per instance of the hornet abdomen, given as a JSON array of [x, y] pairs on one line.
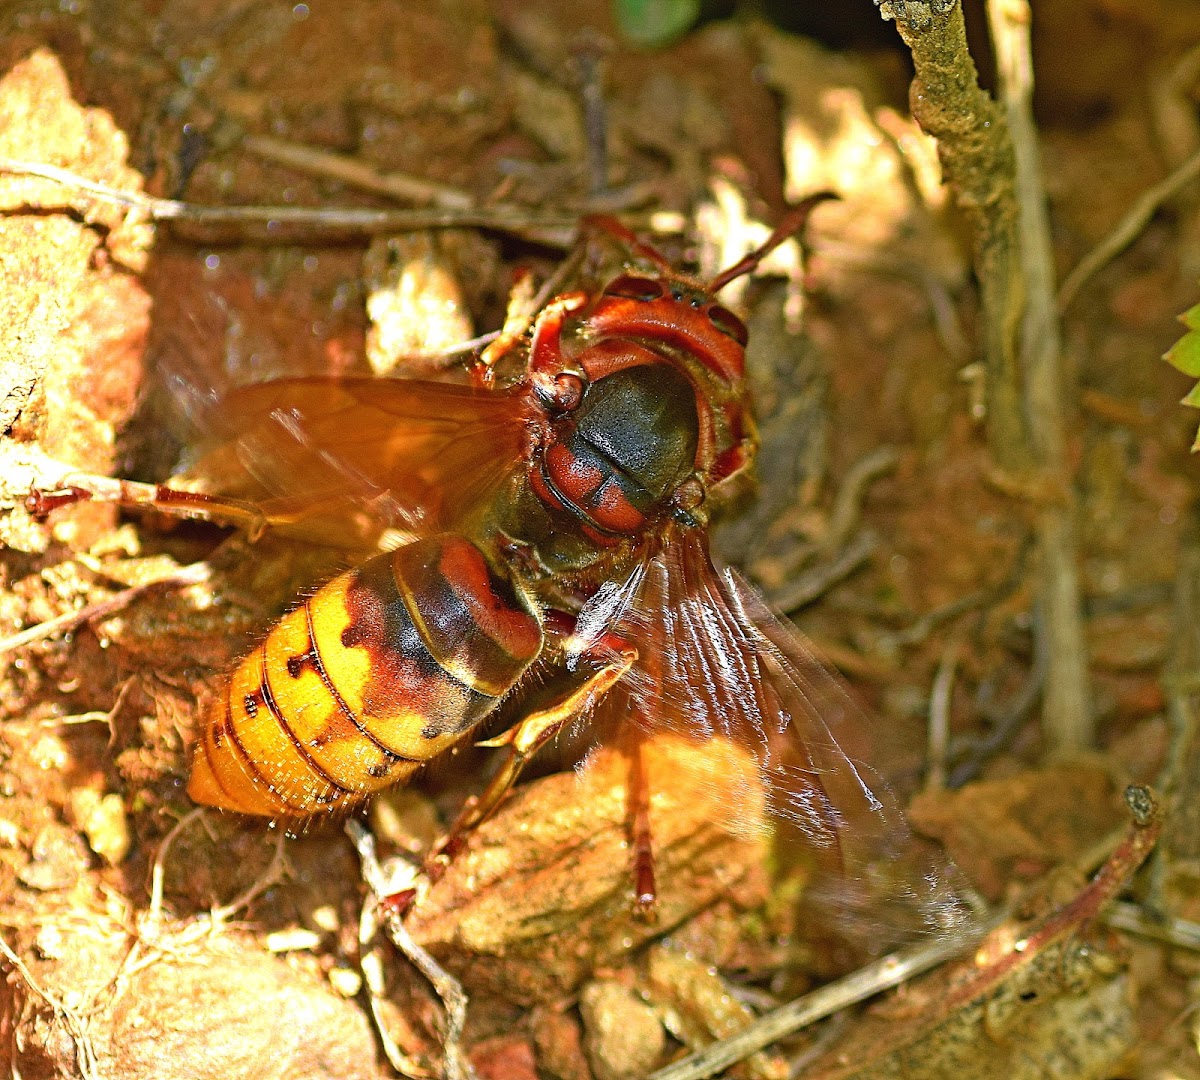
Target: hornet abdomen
[[380, 670]]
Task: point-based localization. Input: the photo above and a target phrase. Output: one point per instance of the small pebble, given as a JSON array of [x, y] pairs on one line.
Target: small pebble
[[622, 1036]]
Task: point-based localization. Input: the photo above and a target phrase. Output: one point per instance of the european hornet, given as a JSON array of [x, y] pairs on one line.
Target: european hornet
[[554, 519]]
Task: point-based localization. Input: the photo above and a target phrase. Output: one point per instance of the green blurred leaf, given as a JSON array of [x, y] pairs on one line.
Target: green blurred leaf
[[1191, 318], [654, 23], [1193, 397], [1185, 354]]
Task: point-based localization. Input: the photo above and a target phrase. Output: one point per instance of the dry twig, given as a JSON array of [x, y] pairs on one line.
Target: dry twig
[[1126, 851], [844, 549], [847, 506], [806, 587], [192, 574], [275, 221], [378, 908], [990, 157], [153, 919], [787, 1019], [1128, 228], [1005, 719], [920, 628], [275, 872], [1067, 719], [85, 1053], [1135, 919], [939, 715], [356, 173]]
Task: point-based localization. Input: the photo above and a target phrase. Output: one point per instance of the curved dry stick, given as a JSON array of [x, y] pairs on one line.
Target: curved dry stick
[[448, 989], [85, 1052], [1127, 229], [355, 172]]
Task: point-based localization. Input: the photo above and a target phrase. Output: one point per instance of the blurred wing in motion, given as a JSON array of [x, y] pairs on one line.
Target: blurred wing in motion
[[715, 663], [339, 460]]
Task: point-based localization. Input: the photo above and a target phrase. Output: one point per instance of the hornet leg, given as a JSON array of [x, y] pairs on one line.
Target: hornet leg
[[529, 735]]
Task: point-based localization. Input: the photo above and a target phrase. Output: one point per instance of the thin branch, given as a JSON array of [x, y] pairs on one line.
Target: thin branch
[[1134, 843], [274, 220], [276, 871], [1006, 721], [920, 628], [85, 1053], [355, 173], [847, 506], [795, 1015], [940, 699], [192, 574], [990, 157], [977, 158], [1128, 228], [153, 919], [806, 587], [380, 906], [1067, 720], [1135, 919], [844, 550]]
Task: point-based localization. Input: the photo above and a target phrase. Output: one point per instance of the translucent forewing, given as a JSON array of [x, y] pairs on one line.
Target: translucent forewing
[[714, 663], [341, 459]]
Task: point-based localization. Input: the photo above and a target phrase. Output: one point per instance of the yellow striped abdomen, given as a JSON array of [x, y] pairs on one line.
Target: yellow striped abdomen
[[381, 669]]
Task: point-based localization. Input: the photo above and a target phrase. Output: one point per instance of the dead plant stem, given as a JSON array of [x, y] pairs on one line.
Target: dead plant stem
[[1128, 228], [1066, 704], [356, 173], [85, 1053], [990, 157], [940, 700], [153, 920], [274, 222], [1134, 919], [798, 1014], [69, 622]]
